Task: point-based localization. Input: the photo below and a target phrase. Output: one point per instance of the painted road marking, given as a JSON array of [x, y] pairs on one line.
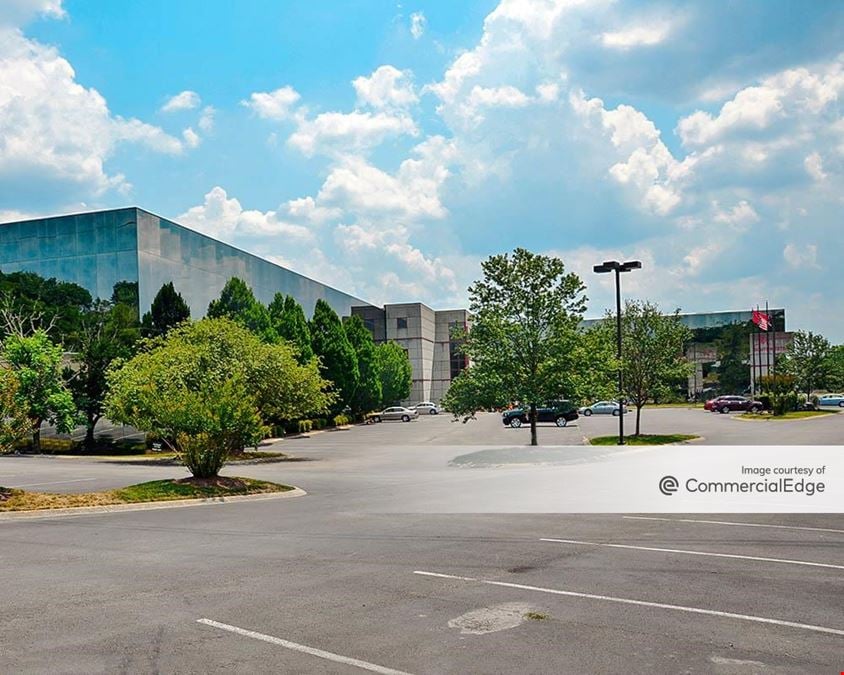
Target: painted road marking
[[724, 522], [287, 644], [641, 603], [704, 553], [57, 482]]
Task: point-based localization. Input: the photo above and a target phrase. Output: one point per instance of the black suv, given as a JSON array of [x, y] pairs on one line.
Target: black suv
[[558, 412]]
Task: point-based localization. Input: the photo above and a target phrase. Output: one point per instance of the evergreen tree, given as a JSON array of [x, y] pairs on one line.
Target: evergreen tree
[[338, 361], [168, 309], [367, 396], [238, 303], [288, 321]]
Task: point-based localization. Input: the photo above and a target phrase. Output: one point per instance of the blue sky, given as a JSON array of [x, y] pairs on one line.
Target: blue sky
[[387, 148]]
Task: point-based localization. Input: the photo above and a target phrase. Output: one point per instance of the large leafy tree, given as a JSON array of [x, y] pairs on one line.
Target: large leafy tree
[[42, 392], [367, 396], [108, 332], [807, 359], [238, 303], [168, 309], [212, 384], [395, 372], [525, 329], [652, 356], [14, 416], [338, 361], [288, 320], [836, 368]]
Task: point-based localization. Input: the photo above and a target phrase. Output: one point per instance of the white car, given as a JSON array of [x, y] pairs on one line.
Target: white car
[[395, 413], [602, 408], [427, 408]]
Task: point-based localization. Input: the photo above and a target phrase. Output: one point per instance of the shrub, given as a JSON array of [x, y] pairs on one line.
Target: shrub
[[304, 426], [341, 420]]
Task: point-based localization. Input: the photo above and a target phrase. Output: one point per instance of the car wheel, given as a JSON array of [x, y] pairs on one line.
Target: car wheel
[[724, 410], [561, 421], [376, 419], [587, 412], [841, 404], [433, 412], [515, 422], [405, 418], [615, 413], [755, 409]]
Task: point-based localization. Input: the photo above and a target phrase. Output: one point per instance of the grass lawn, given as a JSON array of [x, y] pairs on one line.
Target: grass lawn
[[13, 499], [644, 439], [794, 415], [672, 405]]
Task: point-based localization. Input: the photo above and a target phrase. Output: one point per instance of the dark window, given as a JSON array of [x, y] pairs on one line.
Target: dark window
[[457, 360], [369, 324], [401, 323]]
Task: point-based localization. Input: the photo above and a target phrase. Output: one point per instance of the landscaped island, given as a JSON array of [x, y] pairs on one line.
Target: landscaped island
[[13, 499]]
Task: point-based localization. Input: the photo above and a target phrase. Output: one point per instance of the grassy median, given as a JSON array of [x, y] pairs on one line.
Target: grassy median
[[644, 439], [793, 415], [13, 499]]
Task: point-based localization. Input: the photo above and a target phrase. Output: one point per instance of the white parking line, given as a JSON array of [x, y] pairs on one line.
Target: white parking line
[[57, 482], [641, 603], [703, 553], [724, 522], [337, 658]]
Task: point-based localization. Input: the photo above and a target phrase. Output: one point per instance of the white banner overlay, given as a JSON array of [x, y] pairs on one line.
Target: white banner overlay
[[666, 479]]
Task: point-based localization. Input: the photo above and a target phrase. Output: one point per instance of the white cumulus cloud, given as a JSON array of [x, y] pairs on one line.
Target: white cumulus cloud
[[273, 105], [185, 100]]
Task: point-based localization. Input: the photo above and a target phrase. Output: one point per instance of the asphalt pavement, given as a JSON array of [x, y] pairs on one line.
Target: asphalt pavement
[[343, 581]]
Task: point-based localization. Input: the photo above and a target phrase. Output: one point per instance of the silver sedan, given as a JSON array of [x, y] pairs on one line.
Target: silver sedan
[[395, 413]]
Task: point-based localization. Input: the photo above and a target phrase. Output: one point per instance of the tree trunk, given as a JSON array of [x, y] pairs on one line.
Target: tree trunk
[[533, 440], [638, 419], [36, 436], [89, 432]]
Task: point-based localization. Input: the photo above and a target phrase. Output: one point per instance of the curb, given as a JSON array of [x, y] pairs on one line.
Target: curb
[[148, 506], [825, 415]]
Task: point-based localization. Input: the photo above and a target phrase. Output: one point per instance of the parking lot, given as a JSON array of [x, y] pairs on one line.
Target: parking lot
[[344, 580]]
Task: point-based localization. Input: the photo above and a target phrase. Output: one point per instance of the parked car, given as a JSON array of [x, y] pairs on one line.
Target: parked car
[[831, 399], [602, 408], [395, 413], [726, 404], [427, 408], [558, 412]]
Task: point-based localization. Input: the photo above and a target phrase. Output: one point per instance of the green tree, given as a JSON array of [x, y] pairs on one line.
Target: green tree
[[836, 368], [733, 349], [238, 303], [288, 320], [367, 396], [652, 353], [338, 361], [212, 383], [807, 359], [14, 417], [472, 390], [168, 309], [41, 391], [395, 372], [525, 328], [108, 332]]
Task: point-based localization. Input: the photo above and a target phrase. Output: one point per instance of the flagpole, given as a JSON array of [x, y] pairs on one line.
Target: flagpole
[[768, 350]]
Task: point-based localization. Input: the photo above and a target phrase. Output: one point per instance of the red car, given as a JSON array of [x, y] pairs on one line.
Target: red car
[[726, 404]]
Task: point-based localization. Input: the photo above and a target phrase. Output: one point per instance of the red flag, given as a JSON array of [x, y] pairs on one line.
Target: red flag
[[761, 319]]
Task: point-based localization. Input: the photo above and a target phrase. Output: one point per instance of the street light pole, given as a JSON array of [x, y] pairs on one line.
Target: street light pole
[[618, 268]]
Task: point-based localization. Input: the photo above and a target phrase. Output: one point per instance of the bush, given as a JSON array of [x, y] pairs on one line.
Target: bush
[[304, 426], [341, 420], [786, 402]]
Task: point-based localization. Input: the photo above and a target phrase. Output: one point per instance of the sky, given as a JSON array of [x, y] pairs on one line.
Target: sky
[[388, 148]]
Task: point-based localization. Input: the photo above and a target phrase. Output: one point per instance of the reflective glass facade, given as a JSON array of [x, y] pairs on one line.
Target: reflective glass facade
[[96, 250]]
